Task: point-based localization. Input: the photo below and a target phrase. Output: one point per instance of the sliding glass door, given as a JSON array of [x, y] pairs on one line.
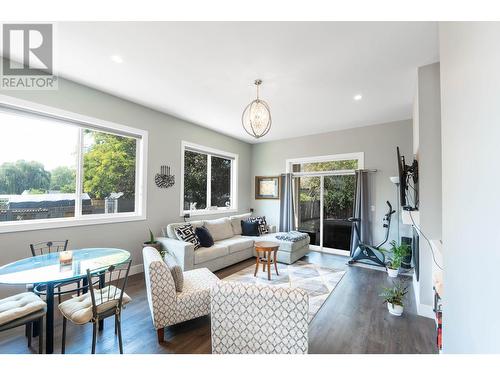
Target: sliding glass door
[[324, 199], [308, 208], [338, 204]]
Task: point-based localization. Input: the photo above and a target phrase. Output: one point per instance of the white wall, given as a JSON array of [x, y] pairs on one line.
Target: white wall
[[165, 136], [470, 100], [378, 142], [427, 126]]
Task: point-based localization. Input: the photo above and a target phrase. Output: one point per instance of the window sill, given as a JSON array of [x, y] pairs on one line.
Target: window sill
[[27, 225], [210, 212]]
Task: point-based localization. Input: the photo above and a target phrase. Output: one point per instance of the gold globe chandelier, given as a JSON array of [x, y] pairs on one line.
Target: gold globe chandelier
[[256, 118]]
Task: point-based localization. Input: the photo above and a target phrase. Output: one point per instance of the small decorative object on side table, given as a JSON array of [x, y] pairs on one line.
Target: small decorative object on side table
[[264, 251]]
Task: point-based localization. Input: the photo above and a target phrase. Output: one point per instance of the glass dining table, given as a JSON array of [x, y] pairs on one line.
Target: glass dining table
[[47, 270]]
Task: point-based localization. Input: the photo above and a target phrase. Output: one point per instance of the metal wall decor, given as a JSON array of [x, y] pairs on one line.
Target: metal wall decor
[[164, 179]]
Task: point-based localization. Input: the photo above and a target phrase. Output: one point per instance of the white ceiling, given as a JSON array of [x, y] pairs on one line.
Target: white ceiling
[[204, 71]]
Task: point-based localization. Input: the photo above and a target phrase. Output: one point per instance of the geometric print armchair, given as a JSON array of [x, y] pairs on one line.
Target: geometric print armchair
[[167, 306], [259, 319]]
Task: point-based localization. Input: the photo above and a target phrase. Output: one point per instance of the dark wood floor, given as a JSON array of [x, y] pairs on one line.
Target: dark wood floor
[[352, 320]]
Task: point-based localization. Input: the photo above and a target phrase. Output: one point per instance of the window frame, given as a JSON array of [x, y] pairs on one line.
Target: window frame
[[83, 121], [234, 179], [359, 156]]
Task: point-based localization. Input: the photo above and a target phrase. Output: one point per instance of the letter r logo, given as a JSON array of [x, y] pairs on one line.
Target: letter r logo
[[28, 48]]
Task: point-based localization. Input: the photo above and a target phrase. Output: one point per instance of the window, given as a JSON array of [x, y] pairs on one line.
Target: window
[[208, 180], [60, 172]]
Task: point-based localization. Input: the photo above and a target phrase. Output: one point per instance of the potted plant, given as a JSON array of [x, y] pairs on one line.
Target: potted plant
[[153, 243], [394, 297], [396, 256]]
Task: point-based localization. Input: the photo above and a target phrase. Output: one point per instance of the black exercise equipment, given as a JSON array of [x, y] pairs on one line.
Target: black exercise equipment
[[370, 252]]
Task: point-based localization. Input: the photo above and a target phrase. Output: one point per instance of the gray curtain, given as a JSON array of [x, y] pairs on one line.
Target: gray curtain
[[361, 210], [286, 203]]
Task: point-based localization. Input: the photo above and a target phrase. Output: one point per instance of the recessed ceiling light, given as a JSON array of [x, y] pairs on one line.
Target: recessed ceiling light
[[358, 97], [117, 59]]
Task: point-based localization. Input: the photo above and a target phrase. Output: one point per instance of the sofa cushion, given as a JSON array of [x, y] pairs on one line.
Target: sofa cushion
[[204, 237], [237, 243], [236, 222], [186, 233], [205, 254], [169, 230], [220, 229], [176, 271]]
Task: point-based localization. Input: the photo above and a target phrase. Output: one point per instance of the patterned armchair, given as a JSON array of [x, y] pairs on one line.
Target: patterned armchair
[[167, 306], [259, 319]]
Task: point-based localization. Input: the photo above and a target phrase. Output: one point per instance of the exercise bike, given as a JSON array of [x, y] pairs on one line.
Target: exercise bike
[[370, 252]]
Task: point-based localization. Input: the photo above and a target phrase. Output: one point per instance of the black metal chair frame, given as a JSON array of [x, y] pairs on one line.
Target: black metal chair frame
[[28, 320], [49, 246], [118, 276]]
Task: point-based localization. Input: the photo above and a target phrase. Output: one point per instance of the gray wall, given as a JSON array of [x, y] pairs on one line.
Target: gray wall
[[378, 142], [470, 92], [165, 135], [428, 125]]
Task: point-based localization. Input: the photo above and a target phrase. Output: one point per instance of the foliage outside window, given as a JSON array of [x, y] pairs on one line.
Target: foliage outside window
[[39, 176], [208, 180]]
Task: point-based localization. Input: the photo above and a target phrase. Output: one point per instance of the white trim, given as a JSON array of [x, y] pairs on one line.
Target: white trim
[[360, 156], [426, 311], [27, 225], [321, 209], [233, 175], [73, 118]]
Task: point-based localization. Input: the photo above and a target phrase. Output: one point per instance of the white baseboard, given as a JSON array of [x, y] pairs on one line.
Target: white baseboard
[[136, 268], [426, 311]]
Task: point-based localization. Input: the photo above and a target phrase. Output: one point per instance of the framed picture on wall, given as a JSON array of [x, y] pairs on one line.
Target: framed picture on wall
[[267, 187]]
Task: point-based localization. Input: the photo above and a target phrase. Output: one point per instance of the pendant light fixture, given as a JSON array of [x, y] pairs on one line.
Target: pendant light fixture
[[256, 118]]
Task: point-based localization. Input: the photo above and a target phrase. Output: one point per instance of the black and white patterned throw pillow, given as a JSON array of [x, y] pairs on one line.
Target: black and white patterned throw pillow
[[186, 233], [261, 220]]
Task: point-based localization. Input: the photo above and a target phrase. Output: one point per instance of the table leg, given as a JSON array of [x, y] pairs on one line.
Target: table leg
[[269, 265], [275, 262], [49, 329], [256, 265], [102, 284]]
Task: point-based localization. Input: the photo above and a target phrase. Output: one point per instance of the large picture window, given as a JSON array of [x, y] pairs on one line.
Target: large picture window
[[208, 180], [59, 172]]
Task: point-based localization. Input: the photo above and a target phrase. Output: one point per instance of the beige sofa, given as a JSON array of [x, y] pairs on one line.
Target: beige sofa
[[229, 247]]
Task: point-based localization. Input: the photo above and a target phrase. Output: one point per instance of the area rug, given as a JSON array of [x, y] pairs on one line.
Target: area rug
[[319, 282]]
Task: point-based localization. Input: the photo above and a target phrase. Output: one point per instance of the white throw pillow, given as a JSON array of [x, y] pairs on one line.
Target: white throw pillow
[[220, 229], [236, 222]]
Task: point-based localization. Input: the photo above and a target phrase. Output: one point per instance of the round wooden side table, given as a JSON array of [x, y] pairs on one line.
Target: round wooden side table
[[264, 251]]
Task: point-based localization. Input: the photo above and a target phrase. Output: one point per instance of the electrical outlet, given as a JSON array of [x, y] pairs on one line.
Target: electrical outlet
[[372, 208]]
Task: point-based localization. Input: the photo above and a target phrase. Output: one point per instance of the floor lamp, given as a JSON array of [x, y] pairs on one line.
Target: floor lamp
[[395, 181]]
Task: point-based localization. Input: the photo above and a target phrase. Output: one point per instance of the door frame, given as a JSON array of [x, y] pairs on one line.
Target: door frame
[[360, 156]]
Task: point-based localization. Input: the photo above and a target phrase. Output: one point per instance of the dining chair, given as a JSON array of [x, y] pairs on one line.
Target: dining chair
[[103, 299], [23, 309], [47, 247]]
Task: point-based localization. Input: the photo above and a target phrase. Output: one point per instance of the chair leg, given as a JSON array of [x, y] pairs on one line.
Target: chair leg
[[29, 330], [63, 341], [94, 336], [119, 325], [79, 286], [161, 335], [40, 336], [116, 325], [59, 294]]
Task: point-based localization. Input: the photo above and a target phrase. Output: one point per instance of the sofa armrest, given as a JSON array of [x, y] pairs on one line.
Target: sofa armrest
[[183, 251]]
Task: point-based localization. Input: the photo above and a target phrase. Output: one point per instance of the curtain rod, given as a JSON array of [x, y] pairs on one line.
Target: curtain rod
[[367, 170]]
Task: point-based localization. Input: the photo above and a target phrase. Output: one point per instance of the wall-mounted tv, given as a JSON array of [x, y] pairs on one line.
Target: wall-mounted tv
[[408, 183]]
